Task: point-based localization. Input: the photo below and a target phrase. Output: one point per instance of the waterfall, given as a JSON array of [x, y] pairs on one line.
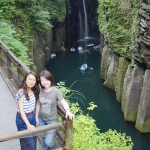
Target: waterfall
[[85, 19], [80, 26]]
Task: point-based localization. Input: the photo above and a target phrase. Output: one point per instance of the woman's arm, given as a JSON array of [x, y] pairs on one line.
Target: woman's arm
[[23, 116], [37, 111], [66, 107]]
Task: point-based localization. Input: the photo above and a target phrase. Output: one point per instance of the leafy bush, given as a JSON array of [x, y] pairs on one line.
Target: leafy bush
[[86, 135], [7, 35]]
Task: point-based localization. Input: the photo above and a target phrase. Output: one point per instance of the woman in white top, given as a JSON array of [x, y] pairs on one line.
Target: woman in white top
[[26, 98], [46, 107]]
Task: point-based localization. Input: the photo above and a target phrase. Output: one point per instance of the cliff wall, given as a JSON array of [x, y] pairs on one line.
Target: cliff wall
[[126, 68]]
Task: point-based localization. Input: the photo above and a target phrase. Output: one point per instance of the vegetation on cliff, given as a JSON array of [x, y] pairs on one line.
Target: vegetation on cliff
[[26, 17], [118, 22]]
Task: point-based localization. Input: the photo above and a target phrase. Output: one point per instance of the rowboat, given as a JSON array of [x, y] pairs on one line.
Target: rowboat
[[72, 49], [96, 47], [53, 55], [89, 45], [80, 49], [83, 67]]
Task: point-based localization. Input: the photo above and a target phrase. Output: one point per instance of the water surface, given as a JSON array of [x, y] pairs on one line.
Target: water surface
[[65, 67]]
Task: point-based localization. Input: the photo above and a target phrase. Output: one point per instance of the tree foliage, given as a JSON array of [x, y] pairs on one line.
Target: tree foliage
[[8, 36], [28, 17], [118, 23]]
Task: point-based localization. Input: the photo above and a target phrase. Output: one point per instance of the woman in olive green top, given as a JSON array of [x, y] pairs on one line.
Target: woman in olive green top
[[46, 107]]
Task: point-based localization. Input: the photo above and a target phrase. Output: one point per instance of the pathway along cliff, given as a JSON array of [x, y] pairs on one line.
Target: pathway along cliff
[[65, 67]]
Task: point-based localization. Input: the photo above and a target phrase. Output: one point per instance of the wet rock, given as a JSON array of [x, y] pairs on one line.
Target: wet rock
[[143, 115], [123, 65], [112, 72], [134, 92]]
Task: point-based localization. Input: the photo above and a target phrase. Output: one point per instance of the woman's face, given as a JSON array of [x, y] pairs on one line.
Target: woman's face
[[30, 81], [45, 83]]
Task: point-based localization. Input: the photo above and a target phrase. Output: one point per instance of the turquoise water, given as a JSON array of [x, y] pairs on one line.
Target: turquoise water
[[65, 67]]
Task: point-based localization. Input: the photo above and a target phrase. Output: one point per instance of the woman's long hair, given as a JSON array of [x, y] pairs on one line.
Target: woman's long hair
[[35, 88], [47, 75]]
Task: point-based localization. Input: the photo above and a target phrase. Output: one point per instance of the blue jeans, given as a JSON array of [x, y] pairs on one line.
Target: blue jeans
[[48, 137], [28, 143]]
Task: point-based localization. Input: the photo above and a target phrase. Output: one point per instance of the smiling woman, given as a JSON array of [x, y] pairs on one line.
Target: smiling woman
[[26, 98], [46, 107]]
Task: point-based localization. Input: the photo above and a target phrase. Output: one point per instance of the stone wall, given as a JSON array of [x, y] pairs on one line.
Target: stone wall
[[132, 87], [44, 45], [131, 81]]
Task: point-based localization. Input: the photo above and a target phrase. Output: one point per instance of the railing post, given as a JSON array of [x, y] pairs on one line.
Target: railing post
[[19, 74], [1, 62], [9, 66], [68, 134]]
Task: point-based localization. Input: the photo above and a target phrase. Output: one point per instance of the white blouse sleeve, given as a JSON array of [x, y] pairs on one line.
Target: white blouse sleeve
[[19, 95]]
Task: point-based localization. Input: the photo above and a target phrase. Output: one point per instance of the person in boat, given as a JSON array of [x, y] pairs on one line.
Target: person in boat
[[46, 107], [84, 65], [80, 48]]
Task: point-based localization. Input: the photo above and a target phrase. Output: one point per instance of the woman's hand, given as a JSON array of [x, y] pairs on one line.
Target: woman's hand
[[37, 122], [69, 115], [31, 127]]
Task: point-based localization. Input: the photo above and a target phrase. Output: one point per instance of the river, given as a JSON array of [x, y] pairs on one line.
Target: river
[[108, 114]]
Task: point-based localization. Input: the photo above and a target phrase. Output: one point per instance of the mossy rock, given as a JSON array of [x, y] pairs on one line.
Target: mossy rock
[[145, 128], [131, 116], [123, 65], [62, 49]]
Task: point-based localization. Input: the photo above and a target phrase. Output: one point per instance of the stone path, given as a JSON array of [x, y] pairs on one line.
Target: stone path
[[7, 109]]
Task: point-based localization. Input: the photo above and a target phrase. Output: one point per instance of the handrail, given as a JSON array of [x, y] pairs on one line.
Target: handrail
[[26, 133], [12, 66], [16, 70]]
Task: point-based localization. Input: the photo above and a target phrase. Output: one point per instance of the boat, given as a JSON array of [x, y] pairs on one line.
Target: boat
[[96, 47], [89, 45], [80, 49], [83, 67], [72, 49], [53, 55]]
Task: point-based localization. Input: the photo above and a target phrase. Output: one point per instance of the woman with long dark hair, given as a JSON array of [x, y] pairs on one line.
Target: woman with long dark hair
[[26, 98]]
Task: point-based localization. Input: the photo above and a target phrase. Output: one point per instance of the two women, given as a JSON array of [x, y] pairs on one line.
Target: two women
[[46, 107]]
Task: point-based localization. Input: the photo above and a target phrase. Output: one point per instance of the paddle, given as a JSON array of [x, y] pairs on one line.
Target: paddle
[[90, 68]]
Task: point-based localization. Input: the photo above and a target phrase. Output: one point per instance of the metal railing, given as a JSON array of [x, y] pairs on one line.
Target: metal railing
[[15, 71]]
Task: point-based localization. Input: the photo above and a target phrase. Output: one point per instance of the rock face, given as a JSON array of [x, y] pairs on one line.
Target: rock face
[[106, 59], [134, 92], [43, 46], [112, 72], [130, 80], [132, 86], [142, 52], [123, 65], [143, 115], [126, 87]]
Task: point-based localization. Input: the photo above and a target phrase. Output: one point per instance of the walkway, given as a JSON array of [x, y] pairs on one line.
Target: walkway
[[7, 109]]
